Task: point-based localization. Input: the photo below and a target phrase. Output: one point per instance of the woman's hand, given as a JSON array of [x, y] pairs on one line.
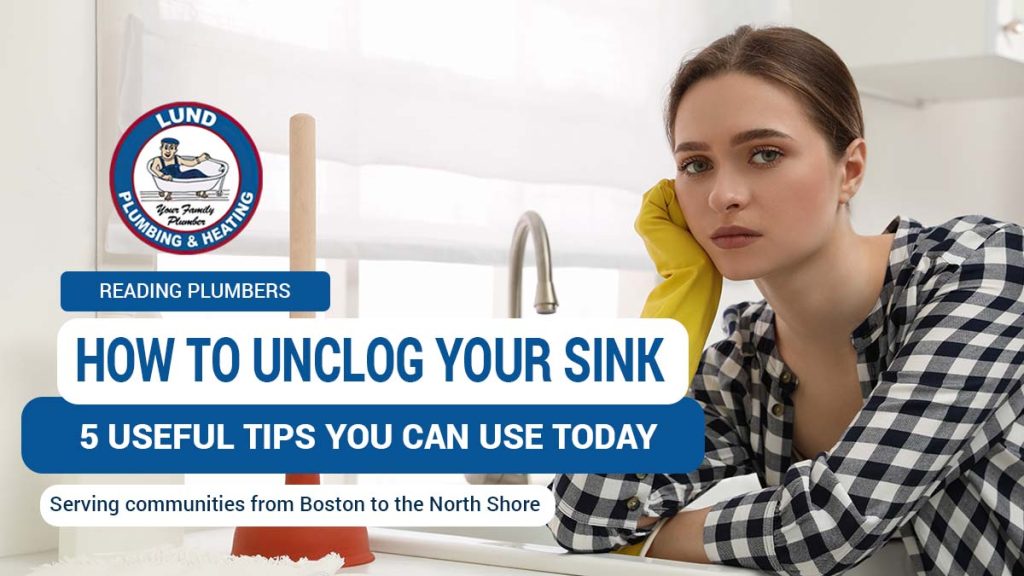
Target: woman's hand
[[692, 286]]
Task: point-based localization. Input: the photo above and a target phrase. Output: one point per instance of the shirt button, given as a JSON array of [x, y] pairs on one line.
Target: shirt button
[[786, 377], [777, 409], [641, 476], [633, 503]]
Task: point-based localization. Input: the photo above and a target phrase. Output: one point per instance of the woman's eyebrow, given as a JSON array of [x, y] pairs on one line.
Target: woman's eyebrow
[[738, 139]]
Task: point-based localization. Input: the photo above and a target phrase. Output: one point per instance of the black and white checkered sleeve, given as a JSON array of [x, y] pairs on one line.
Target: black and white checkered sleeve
[[952, 389], [599, 512]]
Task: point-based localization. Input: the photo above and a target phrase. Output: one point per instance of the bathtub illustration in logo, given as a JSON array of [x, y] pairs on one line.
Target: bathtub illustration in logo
[[186, 178]]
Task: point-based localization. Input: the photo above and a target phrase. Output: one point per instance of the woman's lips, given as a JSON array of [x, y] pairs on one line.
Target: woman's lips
[[734, 241]]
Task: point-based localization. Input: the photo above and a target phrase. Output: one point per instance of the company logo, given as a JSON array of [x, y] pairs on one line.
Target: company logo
[[186, 178]]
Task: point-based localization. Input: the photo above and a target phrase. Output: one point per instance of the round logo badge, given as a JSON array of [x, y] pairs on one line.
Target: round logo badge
[[186, 178]]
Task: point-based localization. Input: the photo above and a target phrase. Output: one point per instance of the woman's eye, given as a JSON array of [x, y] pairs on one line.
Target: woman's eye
[[769, 156], [700, 165]]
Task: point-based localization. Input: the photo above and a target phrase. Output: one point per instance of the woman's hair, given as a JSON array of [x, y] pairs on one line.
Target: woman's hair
[[788, 57]]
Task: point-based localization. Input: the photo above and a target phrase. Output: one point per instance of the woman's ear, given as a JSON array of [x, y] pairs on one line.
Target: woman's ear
[[852, 168]]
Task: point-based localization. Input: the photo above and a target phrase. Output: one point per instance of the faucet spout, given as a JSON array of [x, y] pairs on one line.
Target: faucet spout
[[545, 301]]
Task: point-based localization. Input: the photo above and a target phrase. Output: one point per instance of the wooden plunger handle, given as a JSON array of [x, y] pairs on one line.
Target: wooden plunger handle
[[302, 210], [302, 218]]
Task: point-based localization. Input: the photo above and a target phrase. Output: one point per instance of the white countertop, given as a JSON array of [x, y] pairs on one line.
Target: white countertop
[[403, 552], [23, 563], [384, 564]]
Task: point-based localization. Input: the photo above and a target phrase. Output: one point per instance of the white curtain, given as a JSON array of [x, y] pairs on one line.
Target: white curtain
[[438, 122]]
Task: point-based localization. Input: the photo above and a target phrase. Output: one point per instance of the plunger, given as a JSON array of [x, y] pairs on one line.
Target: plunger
[[312, 543]]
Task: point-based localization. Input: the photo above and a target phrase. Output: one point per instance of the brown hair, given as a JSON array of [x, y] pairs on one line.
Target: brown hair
[[788, 57]]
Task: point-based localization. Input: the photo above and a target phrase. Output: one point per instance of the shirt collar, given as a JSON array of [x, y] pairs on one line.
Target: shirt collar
[[868, 331]]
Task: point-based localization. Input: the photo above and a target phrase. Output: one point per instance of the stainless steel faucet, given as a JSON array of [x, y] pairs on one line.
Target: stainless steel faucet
[[545, 301]]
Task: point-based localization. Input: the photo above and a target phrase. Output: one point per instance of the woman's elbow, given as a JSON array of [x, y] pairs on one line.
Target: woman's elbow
[[579, 538]]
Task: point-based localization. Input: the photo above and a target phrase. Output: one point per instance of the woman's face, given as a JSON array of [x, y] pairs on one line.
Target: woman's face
[[748, 155]]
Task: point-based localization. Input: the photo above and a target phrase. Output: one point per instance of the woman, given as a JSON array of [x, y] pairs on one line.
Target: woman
[[876, 391]]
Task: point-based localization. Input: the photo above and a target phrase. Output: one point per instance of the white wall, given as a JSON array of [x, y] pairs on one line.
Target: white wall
[[48, 192], [942, 161]]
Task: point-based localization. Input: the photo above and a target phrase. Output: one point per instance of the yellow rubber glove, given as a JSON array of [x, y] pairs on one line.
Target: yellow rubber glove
[[631, 549], [692, 287]]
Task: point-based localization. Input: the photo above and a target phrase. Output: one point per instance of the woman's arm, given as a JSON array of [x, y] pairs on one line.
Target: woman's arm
[[682, 538], [951, 391], [602, 512], [692, 286]]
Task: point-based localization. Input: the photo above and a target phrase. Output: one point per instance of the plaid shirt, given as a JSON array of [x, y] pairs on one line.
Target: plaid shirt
[[935, 456]]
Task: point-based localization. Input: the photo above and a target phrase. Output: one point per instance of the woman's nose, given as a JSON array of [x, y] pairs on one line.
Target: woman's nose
[[729, 193]]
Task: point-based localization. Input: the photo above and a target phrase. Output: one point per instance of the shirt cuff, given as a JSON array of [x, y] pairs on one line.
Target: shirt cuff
[[606, 501], [639, 505], [740, 531]]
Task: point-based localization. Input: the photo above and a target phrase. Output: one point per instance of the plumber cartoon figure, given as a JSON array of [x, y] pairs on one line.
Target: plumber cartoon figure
[[168, 165]]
